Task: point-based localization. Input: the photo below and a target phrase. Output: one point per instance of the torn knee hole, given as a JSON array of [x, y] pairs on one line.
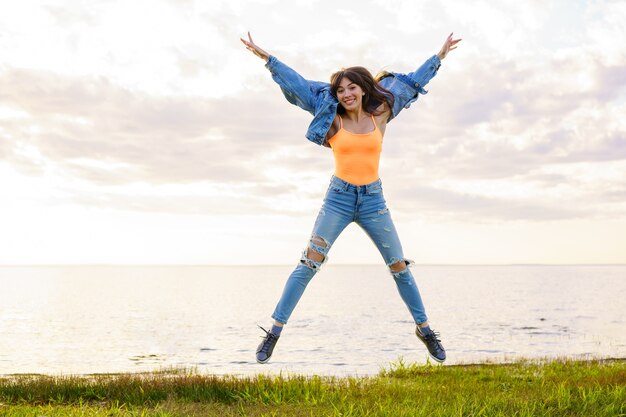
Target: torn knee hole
[[398, 266], [314, 256], [316, 250], [312, 259]]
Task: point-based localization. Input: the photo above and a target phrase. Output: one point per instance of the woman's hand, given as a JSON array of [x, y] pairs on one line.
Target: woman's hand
[[251, 46], [448, 45]]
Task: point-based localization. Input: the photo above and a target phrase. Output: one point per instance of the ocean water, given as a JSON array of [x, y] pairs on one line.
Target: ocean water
[[351, 320]]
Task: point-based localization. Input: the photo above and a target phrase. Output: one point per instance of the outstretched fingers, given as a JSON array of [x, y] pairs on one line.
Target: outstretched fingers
[[449, 45], [254, 48], [249, 43], [451, 42]]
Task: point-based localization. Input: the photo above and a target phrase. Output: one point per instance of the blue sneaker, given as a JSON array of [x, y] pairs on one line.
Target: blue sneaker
[[432, 342], [266, 347]]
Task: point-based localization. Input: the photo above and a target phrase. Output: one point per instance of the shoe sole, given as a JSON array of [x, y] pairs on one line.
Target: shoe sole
[[265, 361], [436, 359]]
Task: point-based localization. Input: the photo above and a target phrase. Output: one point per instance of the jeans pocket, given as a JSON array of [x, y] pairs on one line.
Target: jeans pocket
[[333, 193], [336, 187], [375, 190]]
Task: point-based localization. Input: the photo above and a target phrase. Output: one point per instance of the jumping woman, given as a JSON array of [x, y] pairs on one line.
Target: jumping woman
[[350, 116]]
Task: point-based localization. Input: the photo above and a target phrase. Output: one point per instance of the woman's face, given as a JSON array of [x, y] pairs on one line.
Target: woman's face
[[349, 94]]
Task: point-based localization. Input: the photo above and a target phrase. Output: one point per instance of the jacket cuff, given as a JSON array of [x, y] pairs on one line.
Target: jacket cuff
[[271, 63], [435, 61]]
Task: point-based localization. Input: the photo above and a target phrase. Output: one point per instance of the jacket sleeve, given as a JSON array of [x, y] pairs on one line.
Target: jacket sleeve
[[425, 73], [297, 90], [406, 88]]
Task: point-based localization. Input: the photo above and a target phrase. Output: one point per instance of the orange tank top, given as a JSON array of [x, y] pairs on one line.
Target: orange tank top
[[357, 155]]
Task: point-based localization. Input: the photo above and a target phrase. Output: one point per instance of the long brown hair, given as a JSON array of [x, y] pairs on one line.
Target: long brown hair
[[375, 95]]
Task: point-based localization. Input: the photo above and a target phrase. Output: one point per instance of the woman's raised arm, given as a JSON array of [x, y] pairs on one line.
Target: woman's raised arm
[[254, 48], [296, 89]]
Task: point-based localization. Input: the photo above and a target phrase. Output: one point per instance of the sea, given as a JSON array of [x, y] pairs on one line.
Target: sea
[[351, 321]]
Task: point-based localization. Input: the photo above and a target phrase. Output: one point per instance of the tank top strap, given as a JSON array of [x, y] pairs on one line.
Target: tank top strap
[[373, 121]]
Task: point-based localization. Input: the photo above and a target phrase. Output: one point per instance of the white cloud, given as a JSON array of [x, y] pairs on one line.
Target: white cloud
[[103, 105]]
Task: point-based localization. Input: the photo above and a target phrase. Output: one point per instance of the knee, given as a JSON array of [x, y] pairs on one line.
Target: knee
[[398, 266], [313, 252], [314, 256]]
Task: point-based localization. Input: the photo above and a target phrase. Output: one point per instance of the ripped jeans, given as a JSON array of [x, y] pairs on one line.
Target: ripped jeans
[[345, 203]]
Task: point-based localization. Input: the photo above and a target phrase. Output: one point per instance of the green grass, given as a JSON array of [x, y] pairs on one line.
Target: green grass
[[554, 388]]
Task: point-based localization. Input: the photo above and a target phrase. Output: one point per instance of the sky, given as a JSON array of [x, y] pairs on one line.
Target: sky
[[144, 132]]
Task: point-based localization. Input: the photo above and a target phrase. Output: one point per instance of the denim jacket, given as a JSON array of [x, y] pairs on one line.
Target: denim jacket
[[316, 97]]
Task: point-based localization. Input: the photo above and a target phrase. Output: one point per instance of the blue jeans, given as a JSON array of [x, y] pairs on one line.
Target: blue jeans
[[345, 203]]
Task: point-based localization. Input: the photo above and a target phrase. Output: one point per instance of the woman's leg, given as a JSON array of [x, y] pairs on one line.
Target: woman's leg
[[375, 219], [335, 214]]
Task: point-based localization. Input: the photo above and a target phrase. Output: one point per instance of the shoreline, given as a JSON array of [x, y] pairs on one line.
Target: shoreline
[[281, 372]]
